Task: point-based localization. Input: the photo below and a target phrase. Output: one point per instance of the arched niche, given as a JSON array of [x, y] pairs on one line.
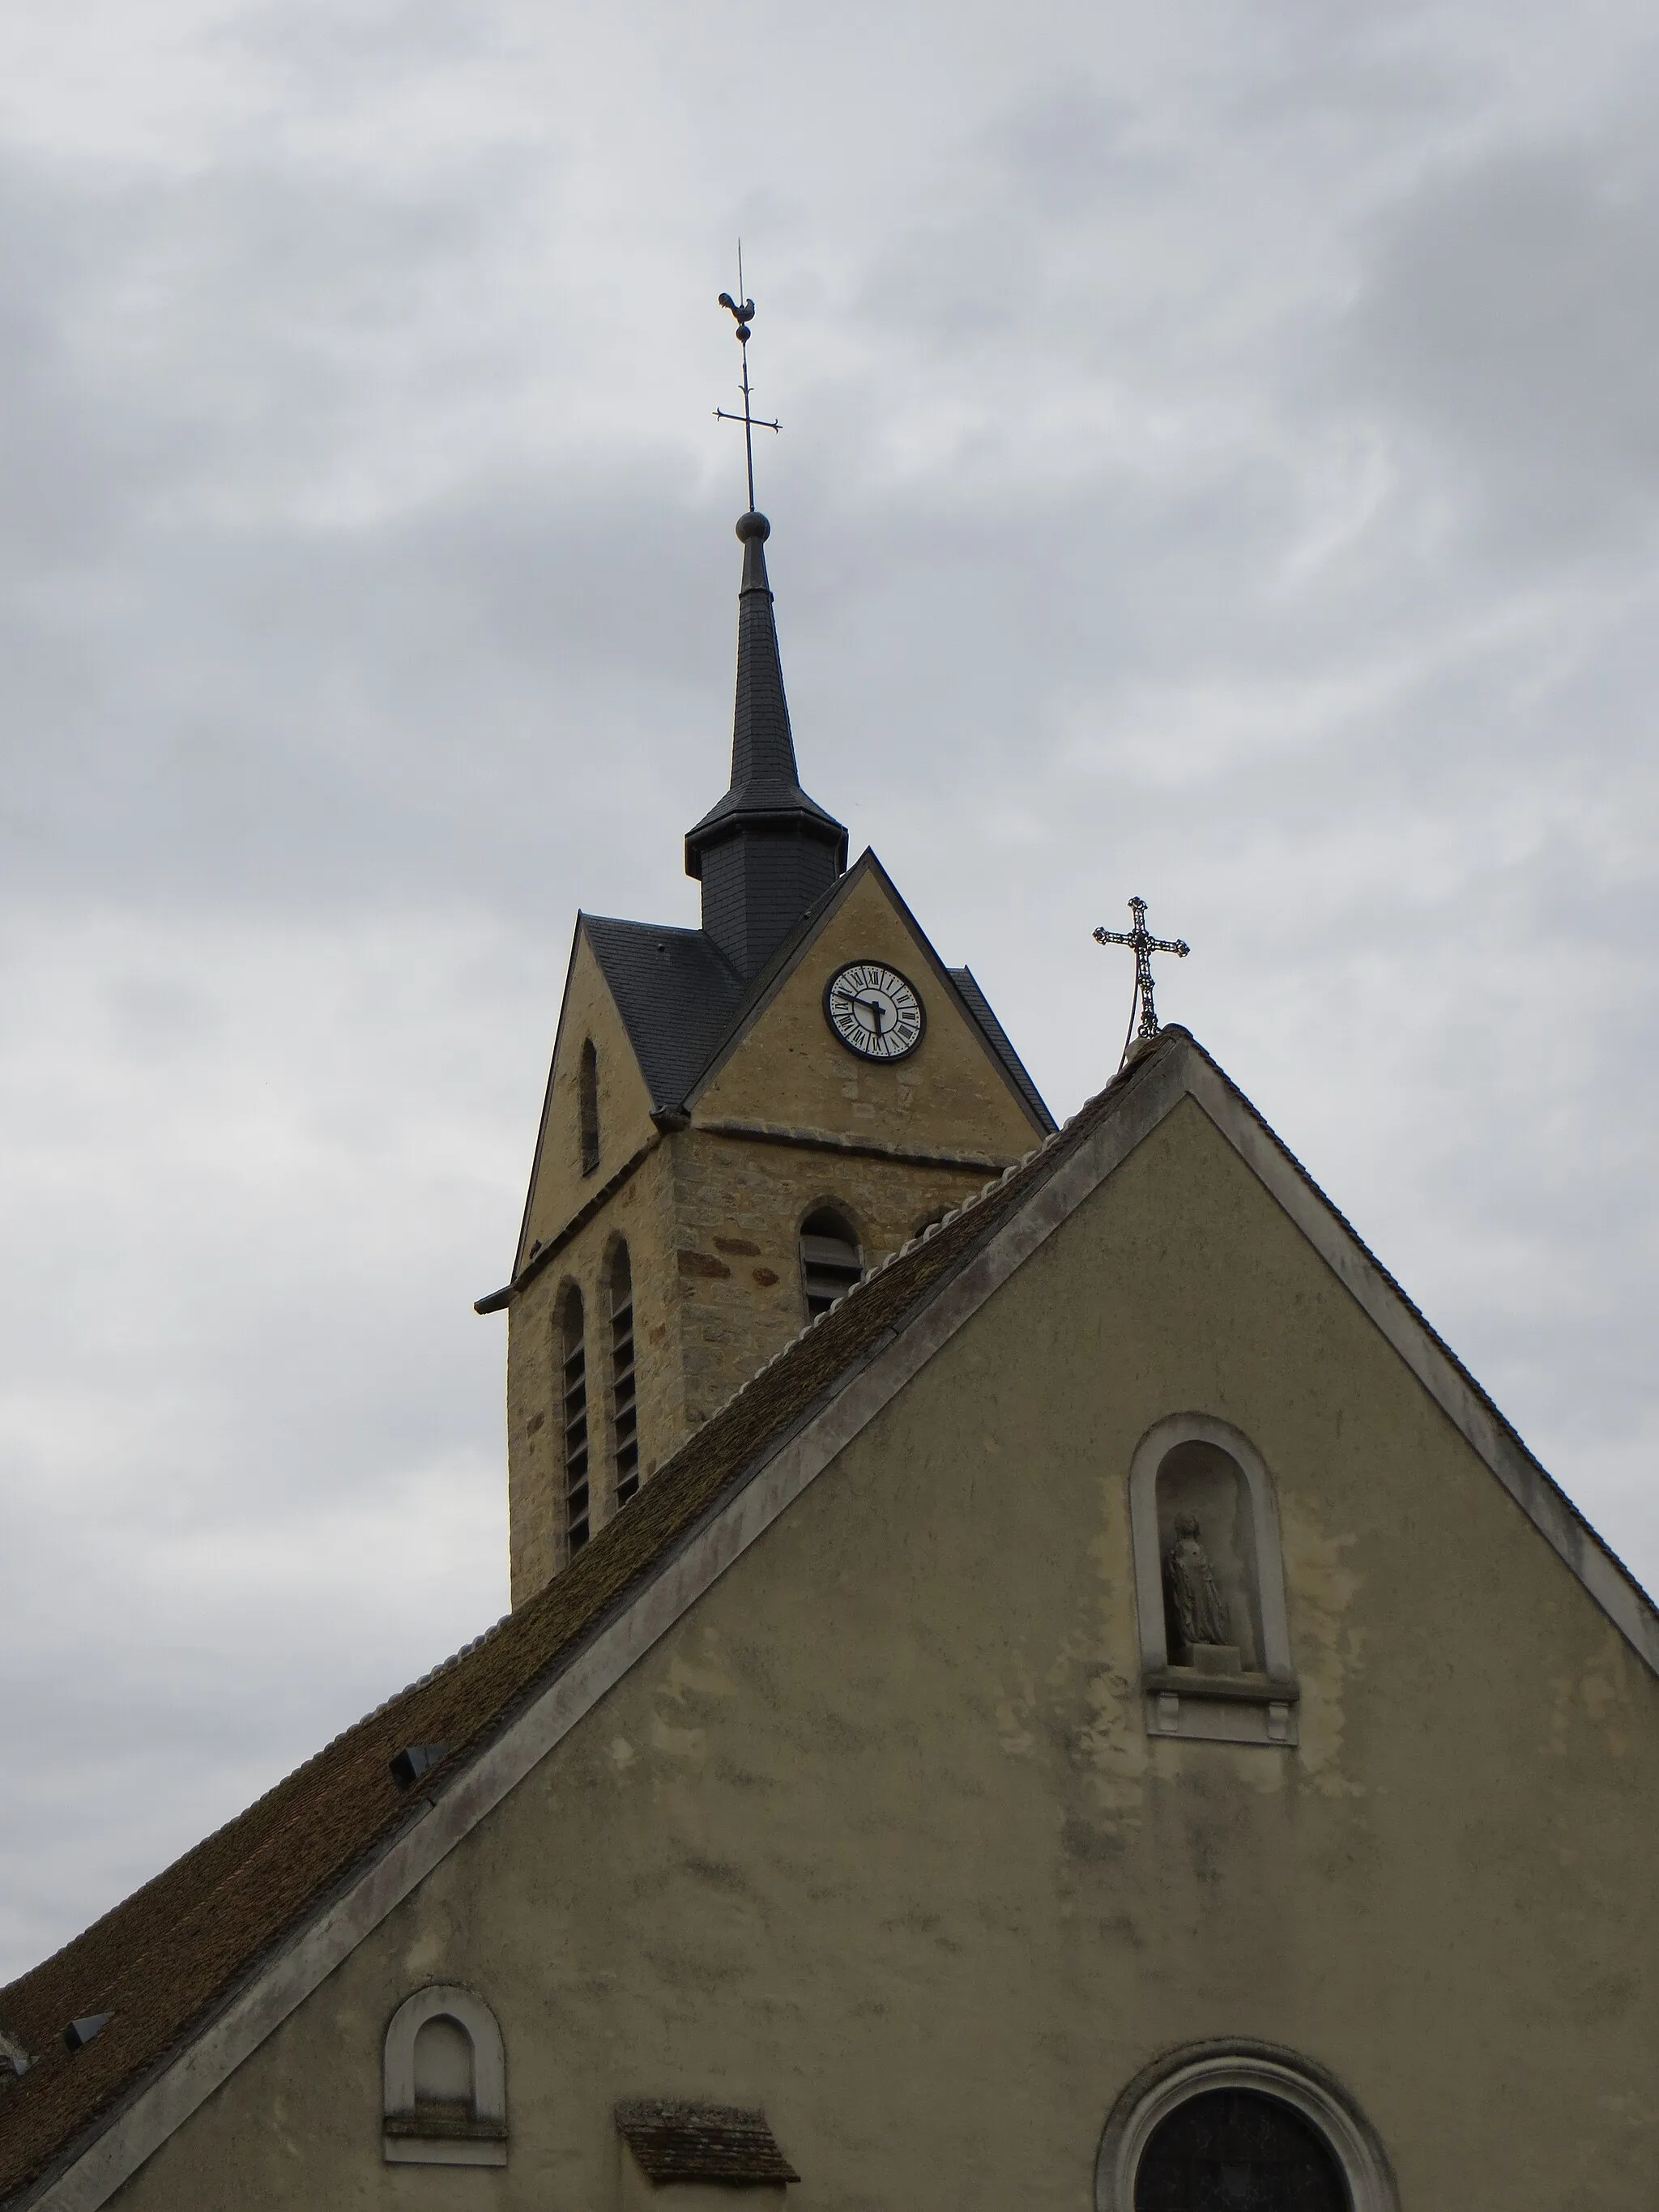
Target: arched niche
[[444, 2082], [1307, 2100], [1215, 1648]]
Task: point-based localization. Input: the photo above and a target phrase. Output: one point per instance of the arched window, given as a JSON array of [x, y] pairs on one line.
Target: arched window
[[574, 1406], [1234, 2148], [445, 2101], [587, 1105], [831, 1261], [624, 1407], [1239, 2127]]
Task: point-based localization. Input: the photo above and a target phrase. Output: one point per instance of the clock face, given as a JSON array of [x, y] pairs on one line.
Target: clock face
[[873, 1011]]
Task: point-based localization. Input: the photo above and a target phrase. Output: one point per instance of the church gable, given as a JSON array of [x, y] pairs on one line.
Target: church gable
[[785, 1065], [833, 1764], [873, 1835]]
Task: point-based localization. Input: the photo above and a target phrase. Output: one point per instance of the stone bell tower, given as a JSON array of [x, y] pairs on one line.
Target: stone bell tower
[[740, 1120]]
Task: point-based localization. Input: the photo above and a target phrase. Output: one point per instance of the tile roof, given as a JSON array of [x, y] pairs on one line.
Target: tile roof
[[676, 994], [701, 2143]]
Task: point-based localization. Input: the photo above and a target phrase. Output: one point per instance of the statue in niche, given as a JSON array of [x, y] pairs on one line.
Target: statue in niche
[[1196, 1605]]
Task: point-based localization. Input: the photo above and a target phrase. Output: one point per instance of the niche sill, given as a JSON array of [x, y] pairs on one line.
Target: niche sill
[[1243, 1708], [442, 2139]]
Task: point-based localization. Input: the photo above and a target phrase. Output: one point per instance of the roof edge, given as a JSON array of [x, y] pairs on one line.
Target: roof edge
[[724, 821], [973, 995], [1471, 1410], [547, 1096]]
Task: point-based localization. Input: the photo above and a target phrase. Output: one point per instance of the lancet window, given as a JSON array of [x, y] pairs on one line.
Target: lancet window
[[624, 1405], [574, 1406], [587, 1105], [830, 1261]]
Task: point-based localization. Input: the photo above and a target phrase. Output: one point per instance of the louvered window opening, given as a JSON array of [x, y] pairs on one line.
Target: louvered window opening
[[831, 1263], [623, 1391], [576, 1514]]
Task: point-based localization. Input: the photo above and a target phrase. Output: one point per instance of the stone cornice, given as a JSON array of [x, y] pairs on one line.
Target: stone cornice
[[825, 1141]]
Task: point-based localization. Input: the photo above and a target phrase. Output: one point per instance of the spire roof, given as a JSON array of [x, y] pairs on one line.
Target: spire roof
[[765, 790]]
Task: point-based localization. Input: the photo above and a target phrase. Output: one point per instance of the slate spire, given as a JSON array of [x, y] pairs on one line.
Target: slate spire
[[766, 851]]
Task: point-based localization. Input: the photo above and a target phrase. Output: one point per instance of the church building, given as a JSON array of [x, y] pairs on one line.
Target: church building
[[1034, 1676]]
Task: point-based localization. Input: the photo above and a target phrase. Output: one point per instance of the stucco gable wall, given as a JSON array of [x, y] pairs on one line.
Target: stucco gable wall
[[874, 1837], [950, 1095]]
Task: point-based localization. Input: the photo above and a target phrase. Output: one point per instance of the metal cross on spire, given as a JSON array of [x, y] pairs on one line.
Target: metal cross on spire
[[742, 312], [1143, 945]]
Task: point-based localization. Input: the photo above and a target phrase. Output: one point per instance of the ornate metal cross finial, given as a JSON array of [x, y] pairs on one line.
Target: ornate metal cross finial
[[743, 313], [1143, 945]]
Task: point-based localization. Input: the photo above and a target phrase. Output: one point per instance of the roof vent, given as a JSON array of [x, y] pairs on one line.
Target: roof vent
[[416, 1759], [13, 2054], [80, 2032]]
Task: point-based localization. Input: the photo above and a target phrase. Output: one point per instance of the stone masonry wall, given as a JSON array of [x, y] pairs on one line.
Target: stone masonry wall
[[712, 1224], [642, 1212], [740, 1205]]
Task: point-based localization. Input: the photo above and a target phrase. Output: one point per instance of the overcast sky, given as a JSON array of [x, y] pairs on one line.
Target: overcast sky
[[1220, 462]]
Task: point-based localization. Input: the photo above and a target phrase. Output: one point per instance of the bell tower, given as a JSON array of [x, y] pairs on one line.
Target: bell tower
[[740, 1120]]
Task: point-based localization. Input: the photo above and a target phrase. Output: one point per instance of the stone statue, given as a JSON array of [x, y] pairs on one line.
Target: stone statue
[[1196, 1598]]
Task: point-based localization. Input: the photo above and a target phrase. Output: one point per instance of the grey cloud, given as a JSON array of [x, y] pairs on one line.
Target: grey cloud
[[340, 53], [1510, 313], [1064, 152], [1357, 79]]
